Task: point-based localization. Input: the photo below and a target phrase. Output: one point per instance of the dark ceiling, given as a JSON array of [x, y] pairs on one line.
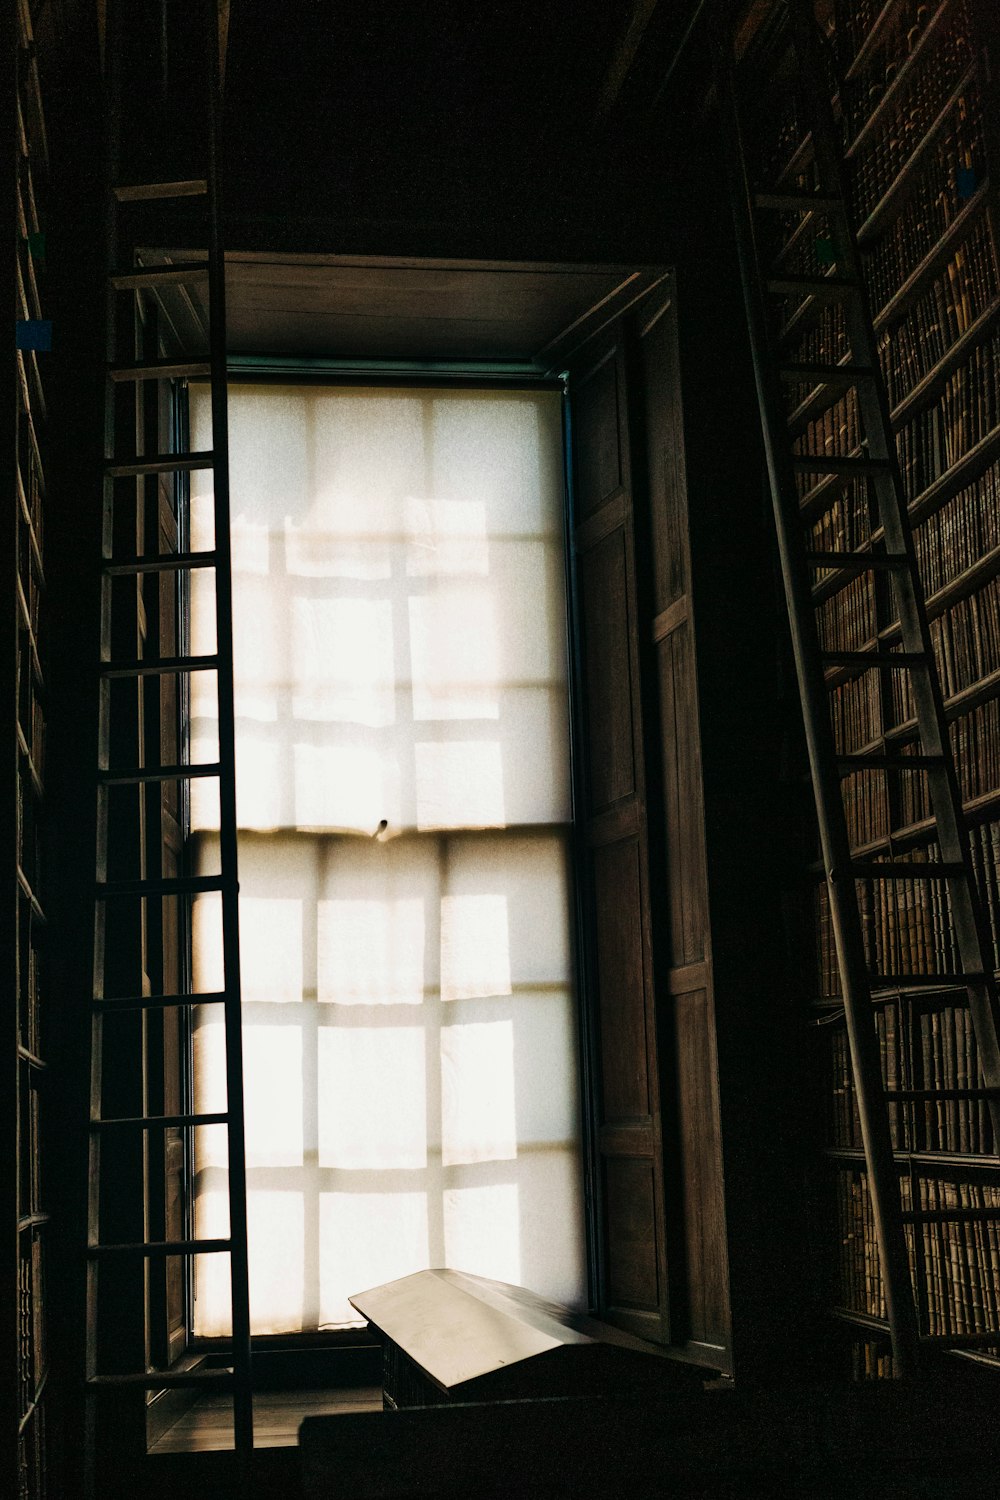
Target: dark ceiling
[[444, 110]]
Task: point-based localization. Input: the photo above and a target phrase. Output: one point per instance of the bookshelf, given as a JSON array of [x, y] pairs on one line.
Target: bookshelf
[[909, 82], [25, 980]]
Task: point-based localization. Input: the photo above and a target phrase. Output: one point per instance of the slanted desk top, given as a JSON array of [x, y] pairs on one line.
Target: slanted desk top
[[459, 1328]]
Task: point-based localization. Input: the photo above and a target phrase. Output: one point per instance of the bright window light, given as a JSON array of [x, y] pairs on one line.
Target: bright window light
[[410, 1044]]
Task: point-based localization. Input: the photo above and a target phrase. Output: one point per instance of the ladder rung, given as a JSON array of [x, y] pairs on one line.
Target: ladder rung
[[831, 464], [158, 1002], [158, 666], [891, 762], [160, 369], [817, 286], [150, 1249], [860, 562], [181, 274], [894, 661], [138, 192], [934, 984], [161, 1122], [826, 374], [159, 463], [163, 1379], [167, 562], [950, 1216], [904, 1095], [140, 775], [871, 869], [793, 202], [180, 885]]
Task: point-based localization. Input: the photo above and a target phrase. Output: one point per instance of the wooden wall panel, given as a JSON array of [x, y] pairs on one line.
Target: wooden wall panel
[[685, 895], [607, 675], [621, 983], [700, 1150], [630, 1205], [597, 448]]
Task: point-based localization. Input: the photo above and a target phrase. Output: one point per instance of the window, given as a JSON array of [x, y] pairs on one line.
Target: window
[[410, 1046]]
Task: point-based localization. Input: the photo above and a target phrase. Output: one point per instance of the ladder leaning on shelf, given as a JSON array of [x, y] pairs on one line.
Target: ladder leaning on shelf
[[837, 284], [135, 882]]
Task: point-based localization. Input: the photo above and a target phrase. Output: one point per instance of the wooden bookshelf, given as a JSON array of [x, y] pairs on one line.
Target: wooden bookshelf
[[24, 957], [911, 95]]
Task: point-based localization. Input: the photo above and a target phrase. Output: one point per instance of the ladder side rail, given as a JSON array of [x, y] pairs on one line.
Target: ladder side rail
[[971, 929], [859, 1014], [240, 1282]]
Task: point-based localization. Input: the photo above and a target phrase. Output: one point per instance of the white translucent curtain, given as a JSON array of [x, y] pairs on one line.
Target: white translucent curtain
[[410, 1047]]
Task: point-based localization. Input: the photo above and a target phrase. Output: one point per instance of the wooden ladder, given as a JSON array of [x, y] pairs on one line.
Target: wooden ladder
[[890, 557], [143, 897]]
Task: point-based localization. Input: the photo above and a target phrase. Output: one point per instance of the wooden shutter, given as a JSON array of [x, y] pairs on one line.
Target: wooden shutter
[[657, 1164], [689, 1068], [628, 1161]]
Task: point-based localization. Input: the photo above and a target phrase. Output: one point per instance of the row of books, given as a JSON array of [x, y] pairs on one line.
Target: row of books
[[878, 803], [906, 926], [961, 1259], [29, 1126], [957, 1270], [29, 1020], [966, 410], [30, 1330], [29, 469], [30, 709], [28, 832], [856, 713], [966, 642], [28, 573], [847, 620], [871, 1361], [961, 533], [975, 738], [946, 176], [906, 921], [949, 543], [836, 430], [823, 339], [963, 291], [852, 22], [925, 1043], [859, 1279], [885, 151]]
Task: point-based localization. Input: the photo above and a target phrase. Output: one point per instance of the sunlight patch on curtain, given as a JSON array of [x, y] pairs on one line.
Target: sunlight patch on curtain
[[410, 1046]]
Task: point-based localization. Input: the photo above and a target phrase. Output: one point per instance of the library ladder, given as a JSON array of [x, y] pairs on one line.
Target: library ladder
[[836, 284], [143, 895]]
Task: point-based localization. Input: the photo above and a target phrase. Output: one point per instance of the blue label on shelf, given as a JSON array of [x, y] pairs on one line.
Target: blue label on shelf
[[966, 181]]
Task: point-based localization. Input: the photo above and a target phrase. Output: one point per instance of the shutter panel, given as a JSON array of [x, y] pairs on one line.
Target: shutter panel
[[696, 1217], [657, 1155], [626, 1125]]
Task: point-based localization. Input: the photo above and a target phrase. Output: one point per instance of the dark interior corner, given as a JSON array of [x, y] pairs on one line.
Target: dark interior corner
[[752, 246]]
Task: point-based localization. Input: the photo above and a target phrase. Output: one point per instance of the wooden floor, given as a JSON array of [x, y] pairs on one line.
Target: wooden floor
[[207, 1427]]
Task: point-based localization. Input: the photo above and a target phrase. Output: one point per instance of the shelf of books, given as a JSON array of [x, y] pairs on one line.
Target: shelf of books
[[28, 582], [910, 84]]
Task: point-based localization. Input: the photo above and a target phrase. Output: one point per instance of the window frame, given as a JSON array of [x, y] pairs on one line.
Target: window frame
[[345, 1354]]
